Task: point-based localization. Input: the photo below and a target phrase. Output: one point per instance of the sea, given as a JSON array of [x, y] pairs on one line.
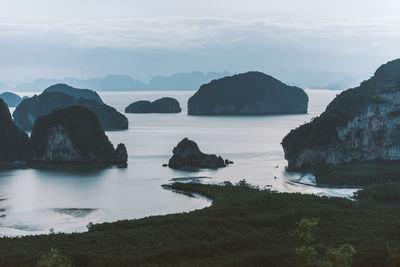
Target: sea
[[67, 199]]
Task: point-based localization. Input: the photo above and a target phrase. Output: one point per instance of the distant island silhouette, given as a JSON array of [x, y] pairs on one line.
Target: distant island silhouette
[[251, 93], [176, 82]]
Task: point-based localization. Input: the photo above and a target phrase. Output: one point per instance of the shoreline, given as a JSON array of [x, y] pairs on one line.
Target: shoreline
[[244, 225]]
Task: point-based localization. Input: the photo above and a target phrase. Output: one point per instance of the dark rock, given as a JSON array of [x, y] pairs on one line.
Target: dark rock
[[162, 105], [142, 106], [251, 93], [121, 155], [360, 124], [12, 140], [72, 135], [30, 109], [75, 92], [165, 165], [187, 155], [11, 99]]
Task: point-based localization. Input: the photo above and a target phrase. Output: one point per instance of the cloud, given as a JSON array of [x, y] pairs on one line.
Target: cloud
[[142, 47], [192, 32]]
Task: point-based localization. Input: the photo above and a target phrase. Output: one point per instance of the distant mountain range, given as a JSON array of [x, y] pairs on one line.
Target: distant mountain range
[[190, 81], [318, 79], [177, 82], [342, 84], [107, 83], [184, 81]]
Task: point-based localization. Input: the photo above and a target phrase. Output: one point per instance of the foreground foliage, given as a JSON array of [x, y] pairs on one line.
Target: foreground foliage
[[308, 256], [359, 173], [243, 227], [54, 258], [389, 192]]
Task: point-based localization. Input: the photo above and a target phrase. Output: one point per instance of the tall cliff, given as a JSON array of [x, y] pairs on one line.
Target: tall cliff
[[12, 140], [73, 134], [362, 123], [250, 93]]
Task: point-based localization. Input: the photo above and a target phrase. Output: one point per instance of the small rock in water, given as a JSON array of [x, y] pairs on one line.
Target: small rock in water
[[121, 155], [165, 165], [187, 155], [162, 105], [227, 162]]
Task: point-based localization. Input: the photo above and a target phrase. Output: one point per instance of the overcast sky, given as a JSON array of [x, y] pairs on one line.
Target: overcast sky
[[88, 38]]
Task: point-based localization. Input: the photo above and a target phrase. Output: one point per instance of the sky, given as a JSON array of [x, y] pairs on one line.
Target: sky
[[91, 38]]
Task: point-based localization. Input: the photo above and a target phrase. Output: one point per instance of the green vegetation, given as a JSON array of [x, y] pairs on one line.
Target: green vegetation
[[244, 227], [307, 255], [358, 173], [393, 259], [54, 258], [381, 179], [389, 192]]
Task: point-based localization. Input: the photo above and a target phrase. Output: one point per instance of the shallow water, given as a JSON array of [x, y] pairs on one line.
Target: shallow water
[[33, 201]]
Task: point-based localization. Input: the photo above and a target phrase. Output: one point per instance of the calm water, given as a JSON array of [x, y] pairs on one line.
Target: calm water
[[33, 201]]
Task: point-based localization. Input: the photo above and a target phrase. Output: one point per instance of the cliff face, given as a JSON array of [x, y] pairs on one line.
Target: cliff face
[[249, 93], [360, 124], [73, 134], [12, 140], [32, 108], [162, 105]]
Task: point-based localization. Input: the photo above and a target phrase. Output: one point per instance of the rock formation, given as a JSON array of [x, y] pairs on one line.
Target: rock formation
[[187, 155], [73, 134], [77, 93], [31, 109], [162, 105], [11, 99], [12, 140], [251, 93], [360, 124], [121, 155]]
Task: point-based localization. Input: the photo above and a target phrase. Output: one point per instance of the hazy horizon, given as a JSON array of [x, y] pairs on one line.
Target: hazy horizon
[[49, 39]]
